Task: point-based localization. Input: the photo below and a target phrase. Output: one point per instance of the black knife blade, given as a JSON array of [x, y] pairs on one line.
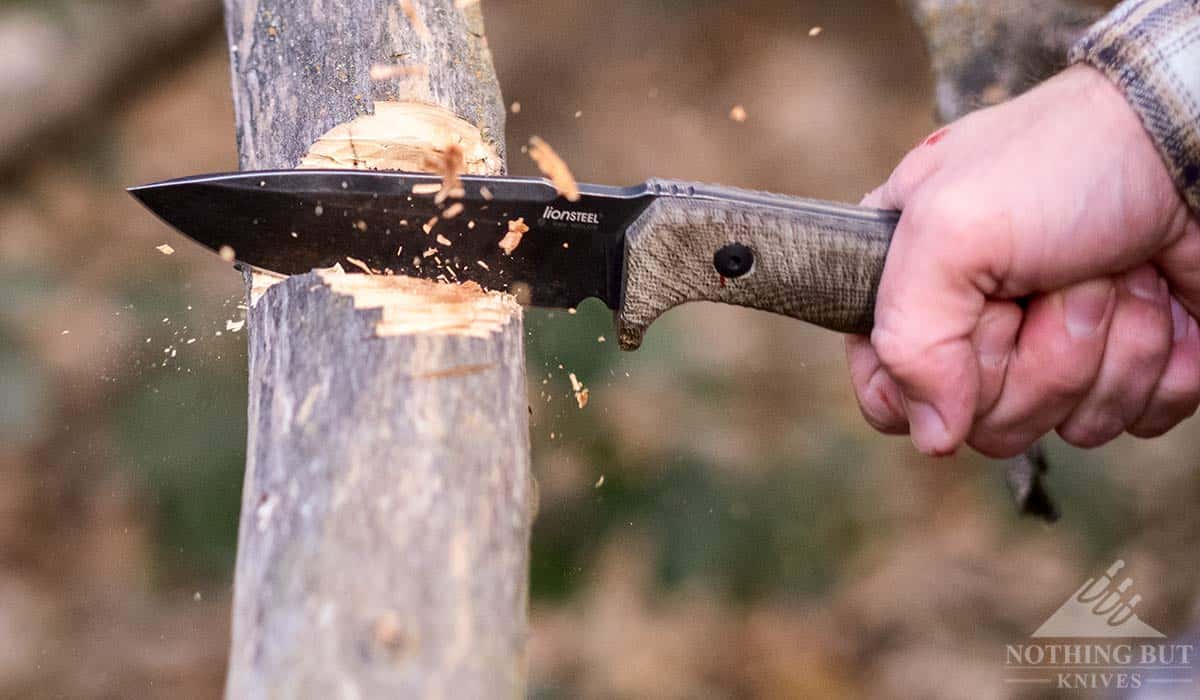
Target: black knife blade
[[642, 250], [292, 221]]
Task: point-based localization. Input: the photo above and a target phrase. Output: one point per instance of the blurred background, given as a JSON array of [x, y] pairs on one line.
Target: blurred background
[[718, 522]]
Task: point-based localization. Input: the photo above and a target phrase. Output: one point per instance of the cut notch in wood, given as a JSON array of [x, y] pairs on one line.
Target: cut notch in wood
[[410, 306], [402, 136]]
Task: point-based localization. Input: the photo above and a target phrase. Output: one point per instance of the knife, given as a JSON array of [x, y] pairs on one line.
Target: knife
[[642, 250]]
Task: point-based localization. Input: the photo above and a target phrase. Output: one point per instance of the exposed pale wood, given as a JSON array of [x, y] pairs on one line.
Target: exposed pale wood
[[383, 549]]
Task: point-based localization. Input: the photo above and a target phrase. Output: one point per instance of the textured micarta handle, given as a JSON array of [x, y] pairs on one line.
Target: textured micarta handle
[[816, 261]]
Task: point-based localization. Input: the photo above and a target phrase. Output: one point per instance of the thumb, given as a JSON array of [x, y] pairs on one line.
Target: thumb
[[931, 298]]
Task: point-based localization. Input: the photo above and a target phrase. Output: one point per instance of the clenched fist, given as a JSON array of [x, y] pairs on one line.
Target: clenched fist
[[1045, 275]]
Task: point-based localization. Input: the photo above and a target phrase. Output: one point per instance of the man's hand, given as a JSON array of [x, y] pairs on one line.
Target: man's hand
[[1045, 274]]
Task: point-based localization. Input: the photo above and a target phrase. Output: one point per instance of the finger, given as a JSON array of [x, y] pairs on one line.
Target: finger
[[878, 396], [1179, 262], [1139, 343], [930, 300], [1057, 358], [1177, 394], [995, 339]]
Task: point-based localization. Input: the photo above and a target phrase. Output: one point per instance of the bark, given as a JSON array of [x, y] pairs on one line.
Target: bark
[[383, 546]]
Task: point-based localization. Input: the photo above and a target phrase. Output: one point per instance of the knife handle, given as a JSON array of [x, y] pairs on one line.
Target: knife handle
[[816, 261]]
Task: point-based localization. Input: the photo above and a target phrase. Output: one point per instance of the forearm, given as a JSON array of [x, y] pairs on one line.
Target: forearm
[[1151, 50]]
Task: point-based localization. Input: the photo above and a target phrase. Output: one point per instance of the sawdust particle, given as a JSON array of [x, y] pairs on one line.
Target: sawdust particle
[[165, 249], [581, 392]]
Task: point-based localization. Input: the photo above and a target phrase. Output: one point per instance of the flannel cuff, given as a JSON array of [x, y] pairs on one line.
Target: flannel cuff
[[1151, 50]]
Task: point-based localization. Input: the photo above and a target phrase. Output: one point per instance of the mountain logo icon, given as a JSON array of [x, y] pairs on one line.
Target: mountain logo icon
[[1100, 608]]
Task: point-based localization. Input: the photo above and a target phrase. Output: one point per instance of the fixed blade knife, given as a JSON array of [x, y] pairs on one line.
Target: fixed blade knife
[[642, 250]]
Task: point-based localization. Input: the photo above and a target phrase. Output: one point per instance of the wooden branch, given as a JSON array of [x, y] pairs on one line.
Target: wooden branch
[[987, 51], [62, 57], [383, 548]]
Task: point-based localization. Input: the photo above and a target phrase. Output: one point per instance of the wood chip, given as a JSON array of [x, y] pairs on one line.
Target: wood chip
[[486, 193], [453, 210], [427, 188], [414, 19], [387, 71], [428, 225], [442, 240], [235, 326], [165, 249], [516, 107], [449, 163], [482, 264], [360, 265], [599, 482], [516, 231], [581, 391], [738, 114], [428, 252], [815, 31], [226, 253], [553, 167]]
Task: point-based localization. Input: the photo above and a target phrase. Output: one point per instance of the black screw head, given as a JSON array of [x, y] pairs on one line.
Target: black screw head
[[733, 260]]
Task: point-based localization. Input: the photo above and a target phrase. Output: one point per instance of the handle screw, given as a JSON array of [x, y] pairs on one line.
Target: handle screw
[[733, 260]]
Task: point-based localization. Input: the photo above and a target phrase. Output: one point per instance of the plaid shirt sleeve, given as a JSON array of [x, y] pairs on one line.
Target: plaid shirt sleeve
[[1151, 50]]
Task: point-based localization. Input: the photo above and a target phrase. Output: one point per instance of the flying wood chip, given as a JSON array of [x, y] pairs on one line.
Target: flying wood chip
[[581, 392], [553, 167], [449, 163], [516, 231]]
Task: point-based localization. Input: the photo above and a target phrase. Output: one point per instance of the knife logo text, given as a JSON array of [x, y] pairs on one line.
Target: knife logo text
[[572, 217]]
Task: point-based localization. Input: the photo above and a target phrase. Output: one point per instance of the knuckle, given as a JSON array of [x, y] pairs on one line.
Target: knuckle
[[1067, 381], [1092, 431]]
